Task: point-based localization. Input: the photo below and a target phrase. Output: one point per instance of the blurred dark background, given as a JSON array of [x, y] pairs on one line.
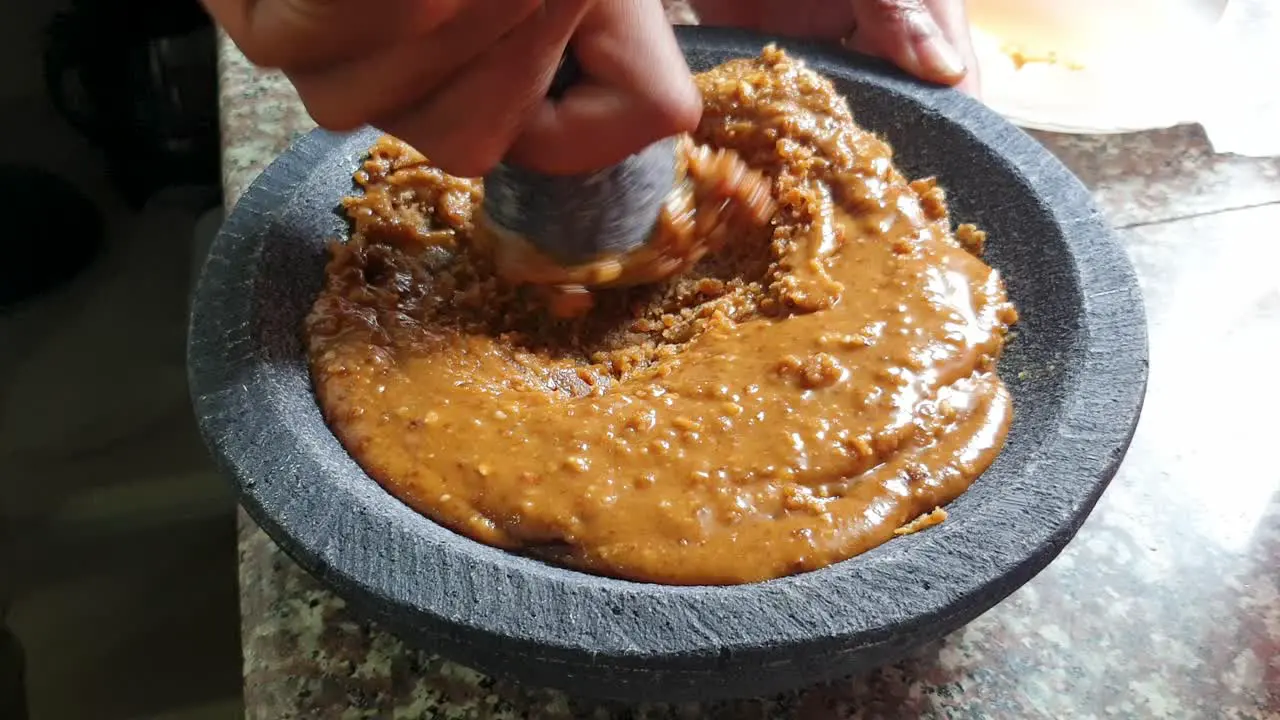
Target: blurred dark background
[[117, 540]]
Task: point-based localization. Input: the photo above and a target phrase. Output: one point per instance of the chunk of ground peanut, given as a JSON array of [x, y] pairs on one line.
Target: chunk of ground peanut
[[925, 521]]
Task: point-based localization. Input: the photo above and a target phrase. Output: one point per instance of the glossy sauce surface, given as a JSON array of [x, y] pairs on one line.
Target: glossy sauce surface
[[788, 402]]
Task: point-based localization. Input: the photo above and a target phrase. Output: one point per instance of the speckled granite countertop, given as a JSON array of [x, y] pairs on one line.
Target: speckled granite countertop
[[1166, 605]]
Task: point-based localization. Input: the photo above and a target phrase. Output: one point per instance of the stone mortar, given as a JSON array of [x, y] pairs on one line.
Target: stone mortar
[[1077, 370]]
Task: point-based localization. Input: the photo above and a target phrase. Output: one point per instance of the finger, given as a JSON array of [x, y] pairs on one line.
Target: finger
[[304, 34], [467, 125], [905, 32], [953, 19], [346, 96], [637, 89]]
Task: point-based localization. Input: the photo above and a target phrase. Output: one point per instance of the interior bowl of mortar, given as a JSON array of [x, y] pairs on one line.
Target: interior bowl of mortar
[[1077, 370]]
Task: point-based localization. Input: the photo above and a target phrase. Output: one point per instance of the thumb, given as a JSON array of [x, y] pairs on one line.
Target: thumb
[[636, 89], [905, 32]]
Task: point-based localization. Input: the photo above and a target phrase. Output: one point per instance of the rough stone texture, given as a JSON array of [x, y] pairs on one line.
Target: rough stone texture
[[1165, 605]]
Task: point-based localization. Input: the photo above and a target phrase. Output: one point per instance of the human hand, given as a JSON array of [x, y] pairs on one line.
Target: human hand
[[927, 38], [465, 81]]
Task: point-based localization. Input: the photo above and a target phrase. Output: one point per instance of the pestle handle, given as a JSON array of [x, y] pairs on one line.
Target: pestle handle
[[578, 218]]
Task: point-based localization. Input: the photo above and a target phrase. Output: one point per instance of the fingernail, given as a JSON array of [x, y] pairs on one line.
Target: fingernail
[[939, 60]]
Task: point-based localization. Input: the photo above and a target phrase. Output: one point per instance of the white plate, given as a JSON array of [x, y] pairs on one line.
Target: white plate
[[1094, 66]]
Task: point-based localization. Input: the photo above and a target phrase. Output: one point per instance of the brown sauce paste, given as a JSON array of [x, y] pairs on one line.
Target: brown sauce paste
[[789, 401]]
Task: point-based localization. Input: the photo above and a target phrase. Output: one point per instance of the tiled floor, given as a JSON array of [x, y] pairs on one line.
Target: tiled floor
[[126, 596]]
